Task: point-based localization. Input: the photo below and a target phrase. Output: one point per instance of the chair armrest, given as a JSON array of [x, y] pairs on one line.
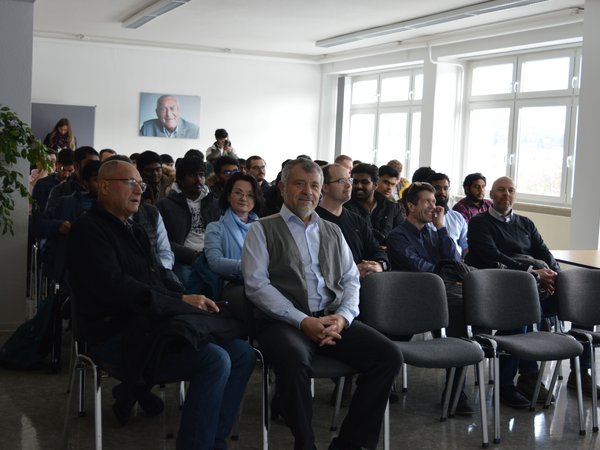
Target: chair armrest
[[582, 336]]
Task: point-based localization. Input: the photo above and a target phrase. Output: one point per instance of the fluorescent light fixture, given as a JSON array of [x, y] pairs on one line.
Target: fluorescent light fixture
[[426, 21], [152, 12]]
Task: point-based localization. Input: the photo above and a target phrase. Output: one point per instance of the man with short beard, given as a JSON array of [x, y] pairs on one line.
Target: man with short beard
[[370, 204], [474, 202], [453, 220]]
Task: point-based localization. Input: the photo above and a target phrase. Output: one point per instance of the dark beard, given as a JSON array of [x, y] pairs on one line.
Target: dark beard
[[439, 201]]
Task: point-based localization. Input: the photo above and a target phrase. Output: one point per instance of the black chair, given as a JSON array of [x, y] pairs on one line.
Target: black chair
[[499, 299], [407, 303], [577, 292]]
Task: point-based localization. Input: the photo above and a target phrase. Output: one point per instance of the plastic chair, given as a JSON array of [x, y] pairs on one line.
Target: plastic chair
[[499, 299], [407, 303], [577, 293]]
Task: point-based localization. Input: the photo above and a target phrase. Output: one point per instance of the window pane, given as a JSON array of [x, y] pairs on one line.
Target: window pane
[[395, 89], [418, 87], [362, 128], [545, 75], [392, 137], [488, 142], [541, 146], [364, 91], [496, 79], [415, 146]]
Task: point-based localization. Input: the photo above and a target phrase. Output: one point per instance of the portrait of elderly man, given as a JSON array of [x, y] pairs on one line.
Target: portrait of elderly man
[[168, 122]]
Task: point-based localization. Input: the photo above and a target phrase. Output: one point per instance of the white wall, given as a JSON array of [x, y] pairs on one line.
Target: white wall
[[270, 108]]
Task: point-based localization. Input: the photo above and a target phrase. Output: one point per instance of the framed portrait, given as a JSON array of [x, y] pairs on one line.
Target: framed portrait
[[169, 115]]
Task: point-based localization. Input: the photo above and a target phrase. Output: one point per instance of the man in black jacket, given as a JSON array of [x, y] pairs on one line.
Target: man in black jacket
[[123, 308], [370, 204], [186, 215]]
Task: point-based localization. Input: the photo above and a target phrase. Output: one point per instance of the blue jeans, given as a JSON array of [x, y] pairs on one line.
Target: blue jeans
[[218, 375]]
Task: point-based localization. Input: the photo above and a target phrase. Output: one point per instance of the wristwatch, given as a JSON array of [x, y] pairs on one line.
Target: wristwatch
[[384, 265]]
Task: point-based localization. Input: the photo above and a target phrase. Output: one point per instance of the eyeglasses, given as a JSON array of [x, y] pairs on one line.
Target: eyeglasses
[[347, 181], [230, 172], [131, 182], [241, 195]]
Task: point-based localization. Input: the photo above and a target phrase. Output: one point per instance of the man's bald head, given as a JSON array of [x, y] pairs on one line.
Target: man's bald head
[[119, 188], [503, 195]]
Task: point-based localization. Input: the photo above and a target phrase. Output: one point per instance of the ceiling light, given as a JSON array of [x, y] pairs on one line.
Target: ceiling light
[[152, 12], [426, 21]]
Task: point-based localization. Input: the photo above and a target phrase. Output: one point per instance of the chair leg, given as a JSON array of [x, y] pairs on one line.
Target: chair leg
[[67, 423], [404, 377], [482, 407], [386, 427], [555, 375], [579, 397], [265, 401], [462, 374], [496, 398], [446, 402], [538, 384], [181, 394], [97, 408], [338, 403], [491, 370], [72, 362], [82, 376], [594, 394]]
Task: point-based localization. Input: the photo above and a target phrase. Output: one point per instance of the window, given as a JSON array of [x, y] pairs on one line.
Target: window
[[384, 118], [521, 117]]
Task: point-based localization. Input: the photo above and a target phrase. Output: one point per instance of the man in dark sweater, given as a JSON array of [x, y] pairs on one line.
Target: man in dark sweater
[[499, 238], [366, 251]]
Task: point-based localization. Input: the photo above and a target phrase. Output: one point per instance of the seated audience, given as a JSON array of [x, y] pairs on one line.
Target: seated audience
[[298, 271], [474, 202], [186, 214], [370, 204], [224, 167], [257, 167], [453, 221], [388, 180], [106, 153], [167, 160], [149, 165], [224, 238], [500, 238], [124, 309], [403, 183], [74, 183], [345, 161]]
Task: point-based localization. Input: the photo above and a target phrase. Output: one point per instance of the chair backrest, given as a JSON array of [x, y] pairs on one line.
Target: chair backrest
[[577, 292], [403, 303], [500, 299]]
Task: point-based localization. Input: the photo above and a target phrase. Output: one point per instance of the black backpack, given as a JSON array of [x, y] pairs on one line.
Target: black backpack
[[33, 341]]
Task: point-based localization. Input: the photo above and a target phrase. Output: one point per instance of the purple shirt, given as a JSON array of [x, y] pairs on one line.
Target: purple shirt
[[469, 209]]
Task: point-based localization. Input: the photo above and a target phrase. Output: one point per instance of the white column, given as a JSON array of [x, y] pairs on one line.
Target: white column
[[585, 216]]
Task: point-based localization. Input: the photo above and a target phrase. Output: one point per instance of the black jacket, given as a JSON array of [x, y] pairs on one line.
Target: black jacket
[[384, 218], [178, 222]]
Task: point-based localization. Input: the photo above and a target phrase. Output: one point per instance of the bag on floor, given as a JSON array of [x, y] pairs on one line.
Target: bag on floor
[[29, 345]]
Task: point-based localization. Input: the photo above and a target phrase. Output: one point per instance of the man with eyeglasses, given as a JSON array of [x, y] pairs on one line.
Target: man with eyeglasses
[[224, 167], [186, 215], [370, 204], [131, 320], [257, 167]]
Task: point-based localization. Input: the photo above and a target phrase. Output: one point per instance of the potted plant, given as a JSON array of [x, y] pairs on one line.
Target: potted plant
[[16, 141]]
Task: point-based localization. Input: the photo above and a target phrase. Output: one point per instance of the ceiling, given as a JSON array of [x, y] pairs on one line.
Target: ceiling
[[280, 28]]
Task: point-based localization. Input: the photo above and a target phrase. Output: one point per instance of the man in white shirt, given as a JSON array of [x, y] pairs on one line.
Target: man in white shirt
[[299, 272]]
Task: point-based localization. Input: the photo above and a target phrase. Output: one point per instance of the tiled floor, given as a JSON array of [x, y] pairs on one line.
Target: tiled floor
[[32, 406]]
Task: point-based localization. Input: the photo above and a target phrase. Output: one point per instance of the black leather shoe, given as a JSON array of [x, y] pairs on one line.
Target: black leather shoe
[[150, 403], [510, 396], [340, 444], [526, 385], [124, 401], [464, 406]]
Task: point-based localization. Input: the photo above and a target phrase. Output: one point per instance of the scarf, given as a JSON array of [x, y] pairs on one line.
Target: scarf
[[234, 233]]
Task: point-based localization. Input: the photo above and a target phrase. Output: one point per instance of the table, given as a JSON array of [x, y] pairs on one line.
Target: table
[[589, 259]]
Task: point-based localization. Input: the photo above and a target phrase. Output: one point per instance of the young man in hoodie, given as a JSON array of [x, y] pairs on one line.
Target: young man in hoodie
[[186, 215]]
